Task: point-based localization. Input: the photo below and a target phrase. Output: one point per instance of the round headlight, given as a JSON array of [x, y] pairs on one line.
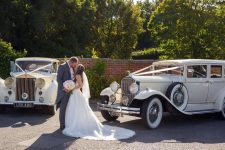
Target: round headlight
[[133, 88], [114, 86], [40, 83], [9, 82]]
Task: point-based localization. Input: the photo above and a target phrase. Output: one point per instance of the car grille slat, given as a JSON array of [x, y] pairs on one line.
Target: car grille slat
[[25, 85], [125, 84]]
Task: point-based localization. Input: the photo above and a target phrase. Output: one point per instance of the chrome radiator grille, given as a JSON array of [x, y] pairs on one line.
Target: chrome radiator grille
[[25, 85], [125, 83]]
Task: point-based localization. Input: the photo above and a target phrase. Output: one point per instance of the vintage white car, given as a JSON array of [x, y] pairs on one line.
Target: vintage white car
[[191, 86], [32, 84]]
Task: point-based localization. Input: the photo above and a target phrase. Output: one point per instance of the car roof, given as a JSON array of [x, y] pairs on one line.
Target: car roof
[[37, 59], [189, 61]]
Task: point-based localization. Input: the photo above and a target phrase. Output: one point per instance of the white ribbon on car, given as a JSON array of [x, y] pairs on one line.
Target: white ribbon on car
[[20, 67], [33, 70], [41, 68], [156, 71]]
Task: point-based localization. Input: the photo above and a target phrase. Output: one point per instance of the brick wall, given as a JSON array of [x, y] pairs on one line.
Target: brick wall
[[116, 67]]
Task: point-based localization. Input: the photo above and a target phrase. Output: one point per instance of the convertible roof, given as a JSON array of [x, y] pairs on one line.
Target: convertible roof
[[188, 61], [37, 59]]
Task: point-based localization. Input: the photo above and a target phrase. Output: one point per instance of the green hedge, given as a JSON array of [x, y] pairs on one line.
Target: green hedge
[[97, 80], [7, 54], [151, 53]]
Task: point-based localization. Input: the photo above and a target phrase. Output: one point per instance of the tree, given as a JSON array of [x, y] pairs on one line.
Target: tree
[[116, 28], [145, 39], [189, 29], [55, 28], [7, 54]]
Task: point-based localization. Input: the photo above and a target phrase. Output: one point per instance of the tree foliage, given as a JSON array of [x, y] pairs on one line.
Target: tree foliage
[[7, 54], [114, 28], [189, 29], [117, 25]]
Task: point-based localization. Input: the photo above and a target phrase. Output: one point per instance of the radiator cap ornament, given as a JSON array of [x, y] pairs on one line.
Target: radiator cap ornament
[[24, 96]]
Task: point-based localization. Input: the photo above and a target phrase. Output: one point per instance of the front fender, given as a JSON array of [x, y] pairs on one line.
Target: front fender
[[106, 92], [149, 92], [51, 92], [3, 89]]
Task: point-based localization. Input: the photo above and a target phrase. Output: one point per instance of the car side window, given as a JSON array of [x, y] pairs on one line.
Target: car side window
[[54, 67], [216, 71], [197, 71]]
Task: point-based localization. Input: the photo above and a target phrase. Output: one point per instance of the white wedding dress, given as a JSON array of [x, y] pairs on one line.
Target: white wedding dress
[[80, 121]]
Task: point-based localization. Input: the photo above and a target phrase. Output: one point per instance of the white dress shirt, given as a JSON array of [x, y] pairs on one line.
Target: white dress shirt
[[71, 71]]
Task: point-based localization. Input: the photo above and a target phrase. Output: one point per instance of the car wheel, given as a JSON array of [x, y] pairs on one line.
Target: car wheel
[[106, 114], [2, 109], [51, 110], [178, 95], [222, 113], [152, 112]]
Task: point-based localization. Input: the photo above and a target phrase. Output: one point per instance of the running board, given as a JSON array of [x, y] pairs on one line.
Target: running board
[[202, 111]]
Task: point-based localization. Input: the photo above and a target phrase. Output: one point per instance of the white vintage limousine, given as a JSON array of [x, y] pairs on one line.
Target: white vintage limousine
[[32, 84], [191, 86]]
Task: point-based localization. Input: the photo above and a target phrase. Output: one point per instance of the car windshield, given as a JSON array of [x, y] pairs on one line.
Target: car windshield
[[29, 66]]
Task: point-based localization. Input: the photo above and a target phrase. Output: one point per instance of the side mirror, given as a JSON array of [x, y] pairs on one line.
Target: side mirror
[[12, 66]]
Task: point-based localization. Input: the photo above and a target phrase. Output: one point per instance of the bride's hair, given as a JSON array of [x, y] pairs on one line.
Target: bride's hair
[[80, 69]]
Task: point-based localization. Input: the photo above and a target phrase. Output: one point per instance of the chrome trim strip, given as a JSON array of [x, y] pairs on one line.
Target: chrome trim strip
[[118, 109]]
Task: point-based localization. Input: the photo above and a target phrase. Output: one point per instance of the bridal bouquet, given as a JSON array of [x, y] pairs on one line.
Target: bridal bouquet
[[69, 85]]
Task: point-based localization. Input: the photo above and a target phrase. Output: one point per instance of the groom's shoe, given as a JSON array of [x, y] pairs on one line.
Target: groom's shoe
[[62, 127]]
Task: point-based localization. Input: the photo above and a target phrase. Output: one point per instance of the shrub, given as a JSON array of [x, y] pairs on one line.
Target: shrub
[[7, 54], [97, 80], [151, 53]]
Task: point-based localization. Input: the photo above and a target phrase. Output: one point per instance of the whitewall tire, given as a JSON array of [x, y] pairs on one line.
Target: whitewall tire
[[178, 95], [152, 112], [223, 110]]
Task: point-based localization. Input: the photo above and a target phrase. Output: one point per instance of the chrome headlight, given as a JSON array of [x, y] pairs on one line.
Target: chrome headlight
[[114, 86], [40, 83], [9, 82], [133, 88]]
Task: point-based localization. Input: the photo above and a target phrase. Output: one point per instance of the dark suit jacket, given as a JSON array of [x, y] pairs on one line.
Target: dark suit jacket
[[62, 76]]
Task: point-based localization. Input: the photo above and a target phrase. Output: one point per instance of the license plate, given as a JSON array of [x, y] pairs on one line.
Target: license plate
[[24, 105]]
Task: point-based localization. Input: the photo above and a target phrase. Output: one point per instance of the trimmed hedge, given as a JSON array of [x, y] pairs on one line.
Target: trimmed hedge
[[151, 53]]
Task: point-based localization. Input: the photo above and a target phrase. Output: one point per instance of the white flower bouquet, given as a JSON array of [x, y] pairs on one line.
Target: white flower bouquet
[[69, 85]]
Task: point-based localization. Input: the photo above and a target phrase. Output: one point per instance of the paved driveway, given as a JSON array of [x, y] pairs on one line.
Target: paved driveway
[[28, 129]]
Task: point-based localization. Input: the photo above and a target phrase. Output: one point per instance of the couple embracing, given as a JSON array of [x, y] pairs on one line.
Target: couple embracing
[[76, 117]]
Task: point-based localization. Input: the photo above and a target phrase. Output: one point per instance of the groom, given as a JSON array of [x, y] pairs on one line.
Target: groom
[[65, 72]]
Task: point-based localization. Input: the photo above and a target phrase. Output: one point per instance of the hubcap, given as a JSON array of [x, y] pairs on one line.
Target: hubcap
[[153, 113], [178, 98]]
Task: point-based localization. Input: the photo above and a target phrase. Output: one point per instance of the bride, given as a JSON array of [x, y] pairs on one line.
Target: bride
[[80, 120]]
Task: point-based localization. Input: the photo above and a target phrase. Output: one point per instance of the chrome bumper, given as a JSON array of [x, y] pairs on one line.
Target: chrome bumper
[[116, 108], [26, 102]]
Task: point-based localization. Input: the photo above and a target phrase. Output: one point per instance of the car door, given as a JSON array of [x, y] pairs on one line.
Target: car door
[[197, 83], [216, 82]]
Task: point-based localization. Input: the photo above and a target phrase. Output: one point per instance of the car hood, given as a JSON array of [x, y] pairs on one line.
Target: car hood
[[158, 78], [30, 75]]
